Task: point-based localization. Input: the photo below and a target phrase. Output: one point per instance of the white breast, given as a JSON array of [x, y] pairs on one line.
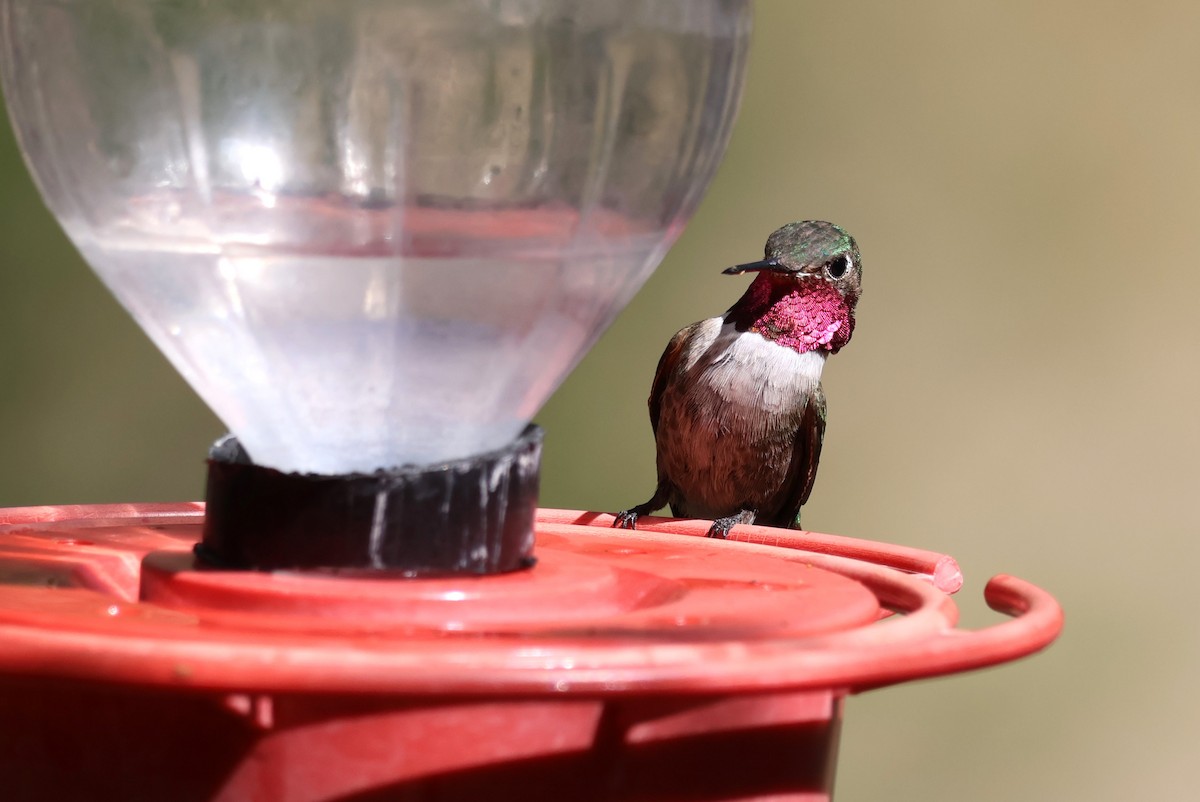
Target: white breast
[[744, 368]]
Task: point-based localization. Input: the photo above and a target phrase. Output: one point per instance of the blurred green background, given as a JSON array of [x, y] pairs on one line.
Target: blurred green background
[[1022, 389]]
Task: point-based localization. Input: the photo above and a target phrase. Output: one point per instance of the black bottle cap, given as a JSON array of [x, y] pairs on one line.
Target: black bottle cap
[[469, 516]]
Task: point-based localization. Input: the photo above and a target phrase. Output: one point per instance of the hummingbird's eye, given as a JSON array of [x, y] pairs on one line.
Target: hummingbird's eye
[[837, 267]]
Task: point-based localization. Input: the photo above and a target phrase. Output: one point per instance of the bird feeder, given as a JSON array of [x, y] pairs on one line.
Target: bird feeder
[[374, 235], [649, 665]]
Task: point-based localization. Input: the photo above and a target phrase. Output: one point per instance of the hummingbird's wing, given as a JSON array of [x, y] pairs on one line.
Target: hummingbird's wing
[[806, 453], [666, 368]]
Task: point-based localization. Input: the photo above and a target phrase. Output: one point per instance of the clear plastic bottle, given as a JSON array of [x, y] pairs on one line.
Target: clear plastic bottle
[[373, 232]]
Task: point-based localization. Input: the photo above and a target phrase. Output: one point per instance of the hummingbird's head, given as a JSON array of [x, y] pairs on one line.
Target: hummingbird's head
[[811, 249], [808, 285]]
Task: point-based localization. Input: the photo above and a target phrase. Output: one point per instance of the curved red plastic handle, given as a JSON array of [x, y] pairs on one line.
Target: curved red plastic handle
[[922, 643], [1036, 620]]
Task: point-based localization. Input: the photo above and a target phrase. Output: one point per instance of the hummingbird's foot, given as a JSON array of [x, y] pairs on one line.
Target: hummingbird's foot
[[720, 528], [626, 519]]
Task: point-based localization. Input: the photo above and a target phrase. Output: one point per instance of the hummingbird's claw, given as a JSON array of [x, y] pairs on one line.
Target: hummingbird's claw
[[625, 519], [720, 528]]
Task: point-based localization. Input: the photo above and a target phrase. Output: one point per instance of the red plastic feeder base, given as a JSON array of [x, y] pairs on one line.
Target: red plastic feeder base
[[648, 665]]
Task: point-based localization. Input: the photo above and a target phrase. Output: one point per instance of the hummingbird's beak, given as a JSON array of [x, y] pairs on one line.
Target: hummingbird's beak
[[753, 267]]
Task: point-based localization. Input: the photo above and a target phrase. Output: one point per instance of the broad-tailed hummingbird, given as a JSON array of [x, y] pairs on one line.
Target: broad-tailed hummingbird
[[736, 406]]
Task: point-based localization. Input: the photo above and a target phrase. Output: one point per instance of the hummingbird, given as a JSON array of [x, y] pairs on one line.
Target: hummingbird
[[736, 406]]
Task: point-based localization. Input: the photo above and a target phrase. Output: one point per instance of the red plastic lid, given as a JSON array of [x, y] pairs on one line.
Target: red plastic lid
[[112, 593]]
